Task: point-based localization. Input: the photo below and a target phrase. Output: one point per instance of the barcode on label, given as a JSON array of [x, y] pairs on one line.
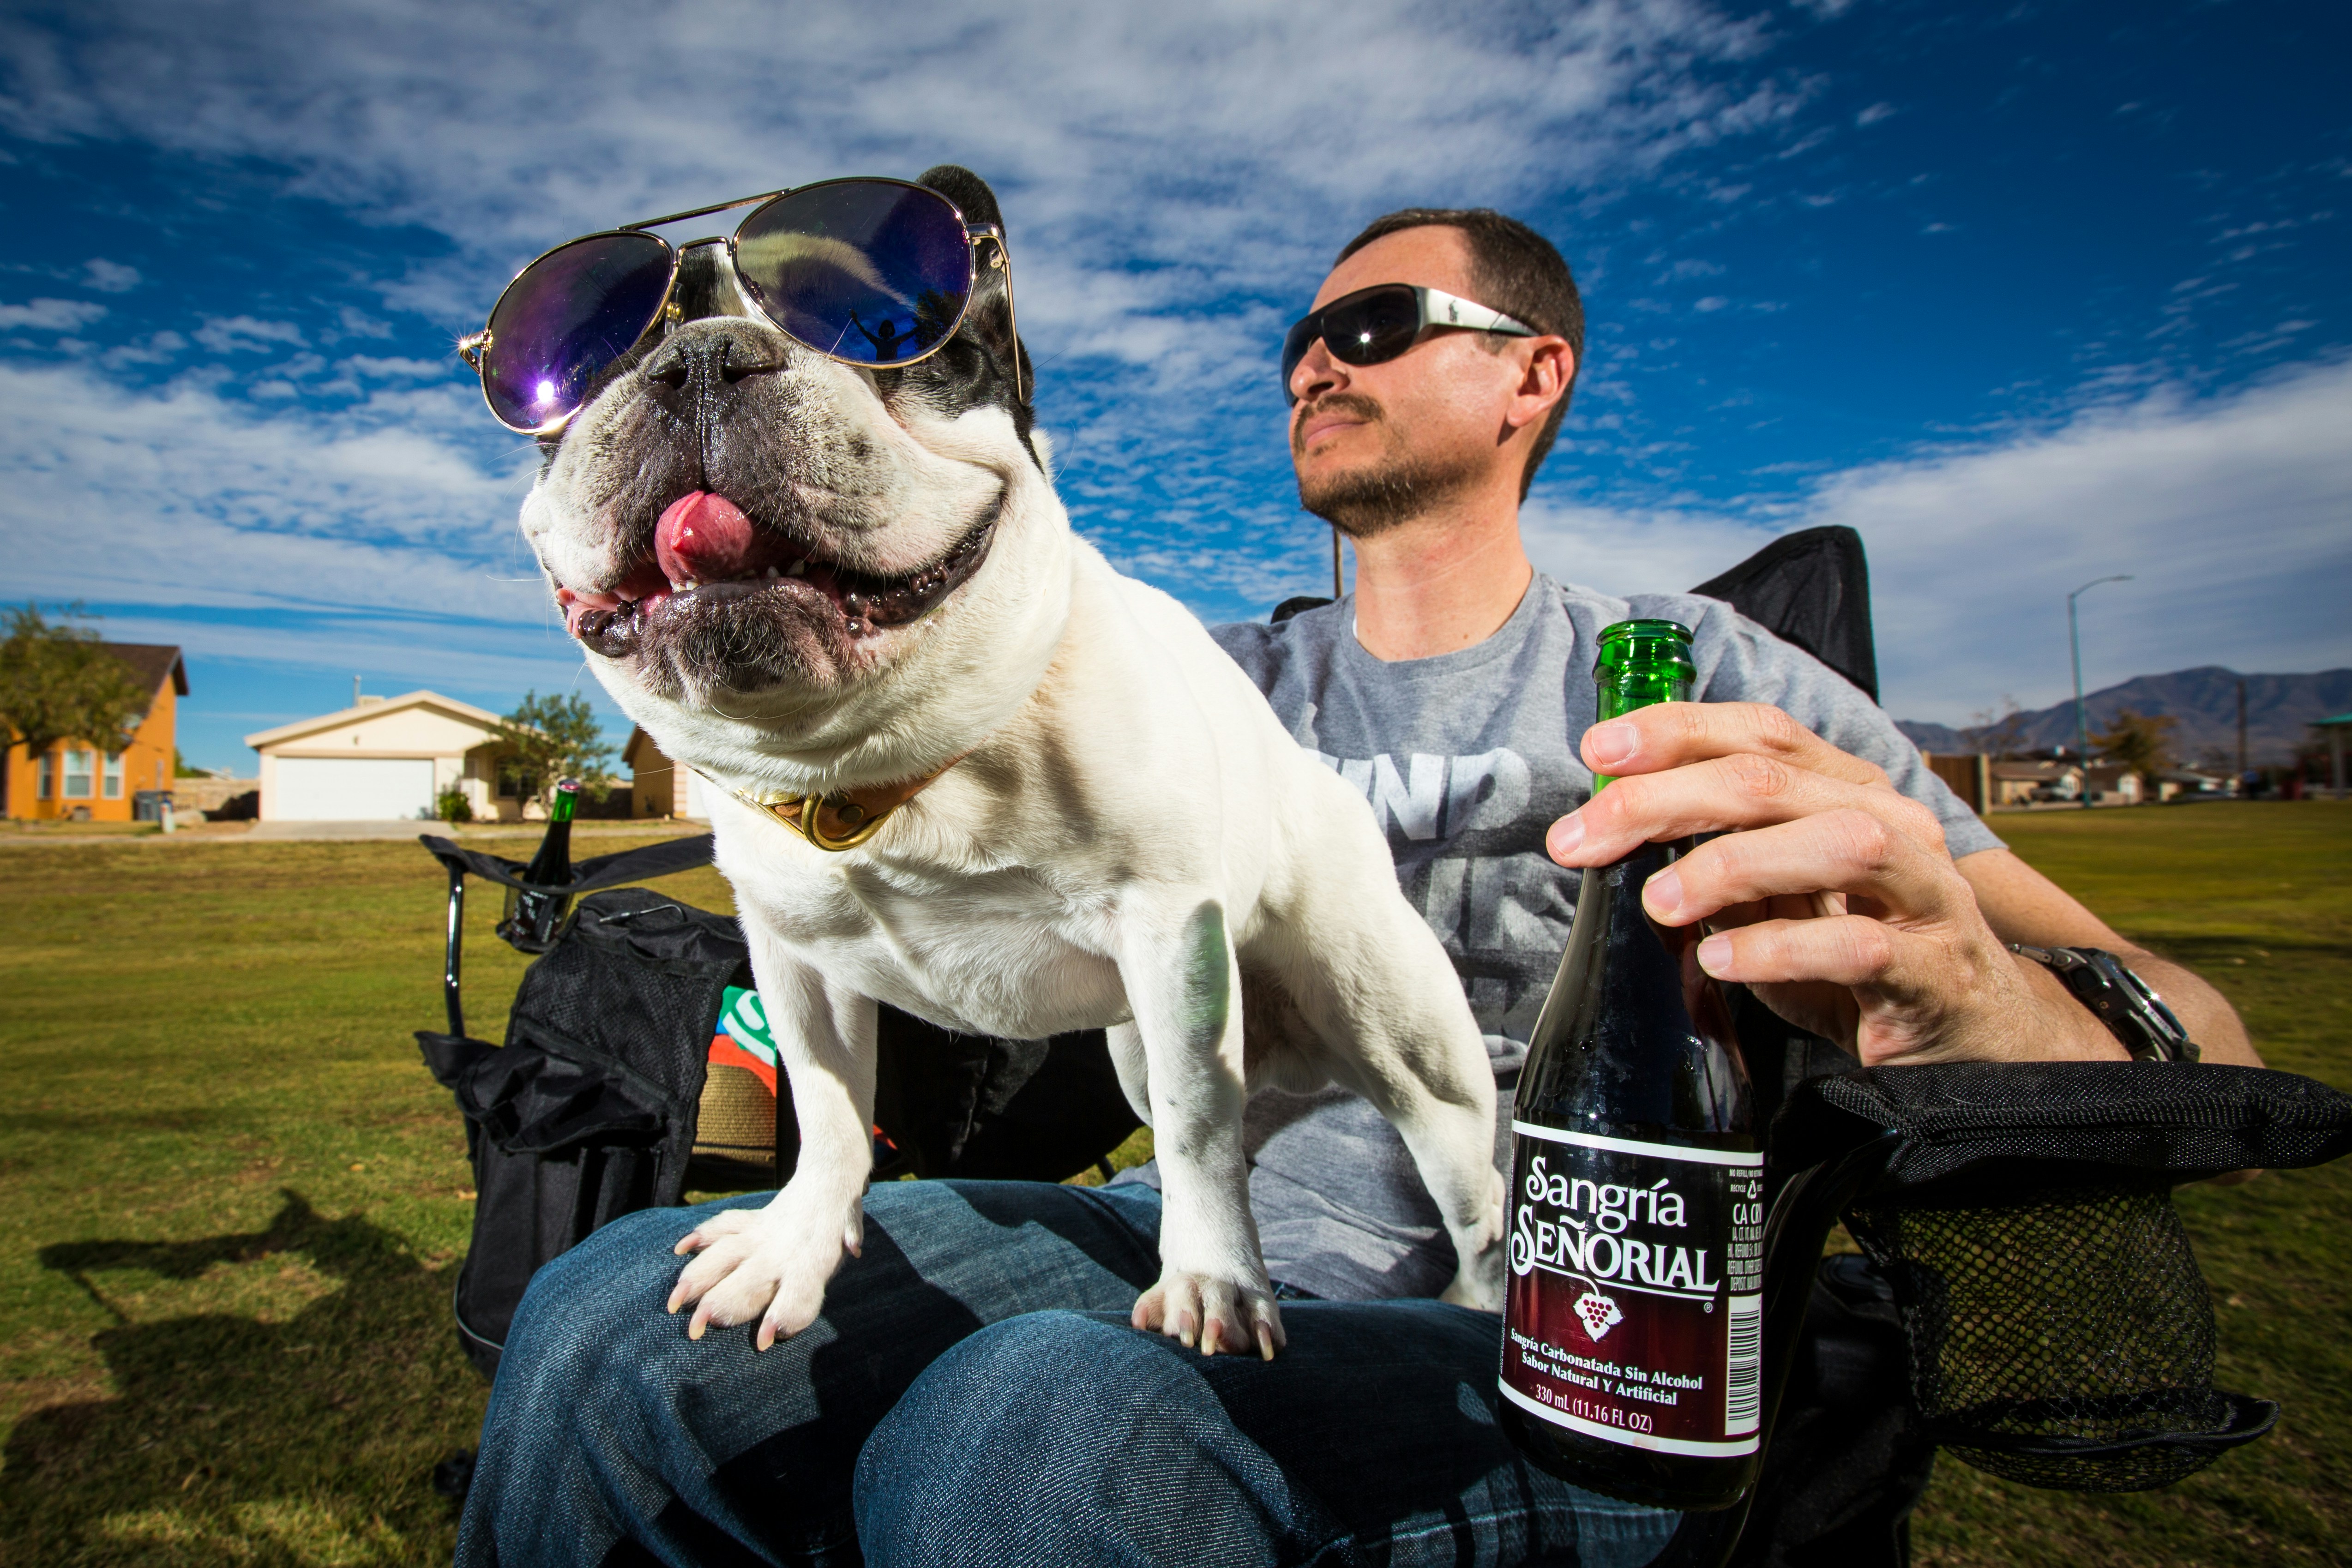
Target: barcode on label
[[1743, 1377]]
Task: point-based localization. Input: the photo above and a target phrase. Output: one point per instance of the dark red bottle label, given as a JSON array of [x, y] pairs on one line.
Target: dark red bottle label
[[1634, 1309]]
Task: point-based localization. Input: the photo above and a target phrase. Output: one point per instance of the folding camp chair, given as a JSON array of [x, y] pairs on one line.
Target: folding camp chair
[[2026, 1299]]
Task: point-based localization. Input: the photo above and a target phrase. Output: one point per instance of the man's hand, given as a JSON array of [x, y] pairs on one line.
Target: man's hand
[[1836, 900]]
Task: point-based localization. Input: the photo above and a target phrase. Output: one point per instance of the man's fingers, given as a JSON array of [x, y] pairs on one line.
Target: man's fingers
[[1847, 950], [1745, 790], [1850, 852], [1674, 734]]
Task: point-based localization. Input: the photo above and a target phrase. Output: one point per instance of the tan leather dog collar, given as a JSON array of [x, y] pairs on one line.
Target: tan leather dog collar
[[846, 818]]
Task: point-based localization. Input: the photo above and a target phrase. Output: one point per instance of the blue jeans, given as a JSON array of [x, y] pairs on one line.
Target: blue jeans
[[972, 1394]]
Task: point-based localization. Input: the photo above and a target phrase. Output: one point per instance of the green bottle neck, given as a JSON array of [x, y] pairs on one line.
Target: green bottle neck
[[561, 811], [1642, 663]]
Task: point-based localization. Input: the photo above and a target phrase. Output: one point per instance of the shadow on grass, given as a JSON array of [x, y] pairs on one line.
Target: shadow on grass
[[299, 1428]]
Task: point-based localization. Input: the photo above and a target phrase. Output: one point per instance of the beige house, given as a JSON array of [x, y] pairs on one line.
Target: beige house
[[386, 758], [658, 787]]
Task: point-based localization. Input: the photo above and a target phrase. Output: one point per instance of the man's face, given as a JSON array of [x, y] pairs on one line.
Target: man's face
[[1375, 444]]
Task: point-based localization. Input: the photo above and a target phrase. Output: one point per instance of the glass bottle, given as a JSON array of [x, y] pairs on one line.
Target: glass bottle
[[1632, 1325], [534, 918]]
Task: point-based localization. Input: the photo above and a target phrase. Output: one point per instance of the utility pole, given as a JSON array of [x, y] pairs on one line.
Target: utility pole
[[2241, 732], [2074, 644], [355, 688]]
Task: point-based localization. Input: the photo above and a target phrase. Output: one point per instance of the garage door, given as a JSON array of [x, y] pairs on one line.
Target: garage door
[[352, 789]]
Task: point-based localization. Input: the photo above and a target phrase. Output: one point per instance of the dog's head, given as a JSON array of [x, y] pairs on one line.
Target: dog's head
[[762, 549]]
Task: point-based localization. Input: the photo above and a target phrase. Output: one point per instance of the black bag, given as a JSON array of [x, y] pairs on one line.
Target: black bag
[[593, 1108], [589, 1110]]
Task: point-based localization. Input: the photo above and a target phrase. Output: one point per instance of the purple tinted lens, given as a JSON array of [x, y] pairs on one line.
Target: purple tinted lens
[[866, 270], [571, 313]]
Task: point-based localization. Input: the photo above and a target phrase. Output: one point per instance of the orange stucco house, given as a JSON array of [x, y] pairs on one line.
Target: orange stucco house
[[74, 778]]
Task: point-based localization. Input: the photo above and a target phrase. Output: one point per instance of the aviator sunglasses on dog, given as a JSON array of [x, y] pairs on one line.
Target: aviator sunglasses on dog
[[1375, 324], [869, 272]]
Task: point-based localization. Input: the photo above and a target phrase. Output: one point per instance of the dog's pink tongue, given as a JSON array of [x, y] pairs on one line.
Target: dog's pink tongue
[[703, 538]]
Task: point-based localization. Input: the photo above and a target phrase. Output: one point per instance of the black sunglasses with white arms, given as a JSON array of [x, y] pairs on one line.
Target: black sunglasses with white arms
[[1375, 324]]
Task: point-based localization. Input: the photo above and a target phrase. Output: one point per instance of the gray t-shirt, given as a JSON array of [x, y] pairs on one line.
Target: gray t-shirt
[[1465, 759]]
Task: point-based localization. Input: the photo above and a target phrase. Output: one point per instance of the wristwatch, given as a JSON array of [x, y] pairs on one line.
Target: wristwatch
[[2127, 1004]]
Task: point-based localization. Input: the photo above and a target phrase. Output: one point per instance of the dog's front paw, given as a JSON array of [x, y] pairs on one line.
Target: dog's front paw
[[1216, 1314], [1478, 1282], [770, 1263]]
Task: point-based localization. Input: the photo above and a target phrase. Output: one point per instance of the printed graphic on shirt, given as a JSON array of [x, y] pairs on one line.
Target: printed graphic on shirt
[[1494, 907], [1438, 796]]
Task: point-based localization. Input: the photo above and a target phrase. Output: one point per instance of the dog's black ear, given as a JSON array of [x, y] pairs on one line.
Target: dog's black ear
[[967, 190], [991, 318]]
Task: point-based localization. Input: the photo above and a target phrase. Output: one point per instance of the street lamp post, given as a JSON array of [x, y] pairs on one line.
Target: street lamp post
[[2074, 644]]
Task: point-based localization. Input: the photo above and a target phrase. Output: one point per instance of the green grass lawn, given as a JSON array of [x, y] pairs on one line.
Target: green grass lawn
[[232, 1201]]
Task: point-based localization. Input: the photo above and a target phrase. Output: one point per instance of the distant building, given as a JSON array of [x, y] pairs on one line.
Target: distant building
[[81, 782], [2193, 784], [2017, 783], [657, 787], [387, 759], [2023, 783]]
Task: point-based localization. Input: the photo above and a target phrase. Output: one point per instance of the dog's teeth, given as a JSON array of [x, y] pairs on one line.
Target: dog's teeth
[[772, 571], [798, 569]]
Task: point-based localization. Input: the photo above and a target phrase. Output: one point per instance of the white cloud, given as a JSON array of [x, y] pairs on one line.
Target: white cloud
[[155, 349], [51, 314], [360, 324], [1096, 124], [110, 276], [234, 334], [396, 367], [2230, 513], [1117, 138], [179, 496]]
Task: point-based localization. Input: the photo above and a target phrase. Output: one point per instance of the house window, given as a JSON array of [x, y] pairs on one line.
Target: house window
[[48, 790], [78, 774], [115, 776]]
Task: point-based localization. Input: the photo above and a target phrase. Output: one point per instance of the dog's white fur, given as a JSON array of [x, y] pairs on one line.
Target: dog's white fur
[[1129, 838]]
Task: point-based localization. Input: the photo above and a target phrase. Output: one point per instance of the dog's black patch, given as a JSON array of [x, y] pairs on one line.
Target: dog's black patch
[[977, 367]]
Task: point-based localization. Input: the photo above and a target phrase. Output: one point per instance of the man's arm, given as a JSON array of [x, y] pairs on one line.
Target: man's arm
[[2021, 904], [1838, 902]]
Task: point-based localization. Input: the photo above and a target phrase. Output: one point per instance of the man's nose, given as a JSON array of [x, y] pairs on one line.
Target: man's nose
[[1317, 372]]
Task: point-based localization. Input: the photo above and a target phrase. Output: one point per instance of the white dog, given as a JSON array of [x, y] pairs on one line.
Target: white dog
[[810, 580]]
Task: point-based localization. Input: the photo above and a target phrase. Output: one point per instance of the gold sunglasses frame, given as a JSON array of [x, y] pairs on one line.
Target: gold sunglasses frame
[[475, 348]]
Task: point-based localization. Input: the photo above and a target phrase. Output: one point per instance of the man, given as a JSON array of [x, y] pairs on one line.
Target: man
[[973, 1393]]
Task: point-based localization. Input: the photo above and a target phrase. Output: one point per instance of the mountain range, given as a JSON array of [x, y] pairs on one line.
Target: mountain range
[[2202, 704]]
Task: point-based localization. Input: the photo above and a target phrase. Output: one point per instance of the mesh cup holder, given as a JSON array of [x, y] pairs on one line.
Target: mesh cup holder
[[2063, 1340]]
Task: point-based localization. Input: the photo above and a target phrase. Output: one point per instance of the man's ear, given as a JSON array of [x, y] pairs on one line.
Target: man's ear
[[992, 317], [1551, 370]]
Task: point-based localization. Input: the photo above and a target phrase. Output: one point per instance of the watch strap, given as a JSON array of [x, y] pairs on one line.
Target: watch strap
[[2127, 1004]]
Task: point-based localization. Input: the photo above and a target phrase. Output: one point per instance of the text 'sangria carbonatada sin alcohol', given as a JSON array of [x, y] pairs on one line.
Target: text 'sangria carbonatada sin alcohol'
[[1632, 1322]]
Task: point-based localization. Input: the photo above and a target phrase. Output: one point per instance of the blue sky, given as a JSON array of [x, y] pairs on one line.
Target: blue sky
[[2028, 295]]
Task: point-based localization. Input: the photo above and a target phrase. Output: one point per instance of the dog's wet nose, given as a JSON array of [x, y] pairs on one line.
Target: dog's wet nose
[[702, 357]]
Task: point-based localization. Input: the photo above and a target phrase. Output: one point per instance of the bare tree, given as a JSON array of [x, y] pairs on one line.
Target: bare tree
[[2000, 735]]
